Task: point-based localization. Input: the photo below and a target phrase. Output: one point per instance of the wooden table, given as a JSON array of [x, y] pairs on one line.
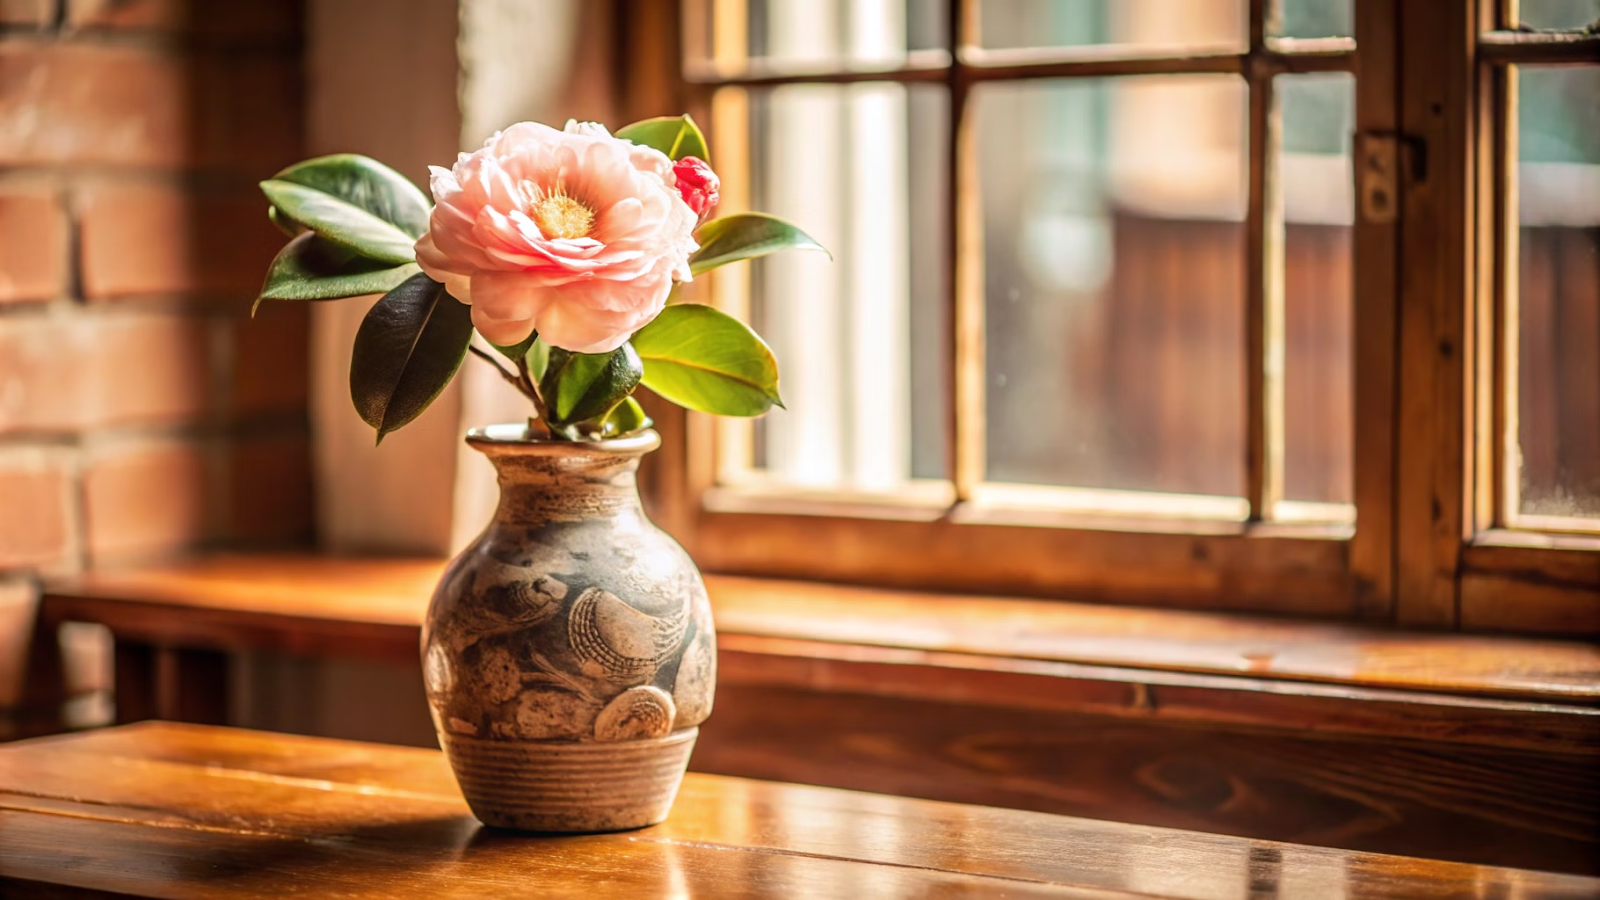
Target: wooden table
[[165, 810]]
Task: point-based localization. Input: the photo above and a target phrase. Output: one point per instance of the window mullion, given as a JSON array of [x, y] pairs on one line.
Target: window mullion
[[1383, 157], [1264, 305], [967, 415]]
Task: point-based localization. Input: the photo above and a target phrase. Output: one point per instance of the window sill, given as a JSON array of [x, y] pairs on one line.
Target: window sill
[[1033, 654]]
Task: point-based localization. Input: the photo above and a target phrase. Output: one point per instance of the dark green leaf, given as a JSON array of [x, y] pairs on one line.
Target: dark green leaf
[[703, 359], [349, 226], [368, 184], [515, 352], [746, 236], [580, 386], [676, 136], [406, 350], [353, 201], [312, 268]]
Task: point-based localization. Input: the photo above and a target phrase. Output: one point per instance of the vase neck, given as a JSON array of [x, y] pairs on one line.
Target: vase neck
[[544, 481]]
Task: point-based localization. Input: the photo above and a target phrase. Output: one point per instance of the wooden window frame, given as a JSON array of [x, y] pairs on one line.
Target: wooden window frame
[[1429, 547]]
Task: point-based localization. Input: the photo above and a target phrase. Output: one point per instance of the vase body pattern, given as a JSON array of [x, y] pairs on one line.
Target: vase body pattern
[[568, 652]]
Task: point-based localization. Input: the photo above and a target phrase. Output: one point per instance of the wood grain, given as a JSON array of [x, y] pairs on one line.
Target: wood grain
[[1481, 804], [1010, 670], [1375, 258], [353, 607], [1436, 303], [175, 811]]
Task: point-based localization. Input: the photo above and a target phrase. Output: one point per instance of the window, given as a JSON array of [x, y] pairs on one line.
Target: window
[[1200, 305]]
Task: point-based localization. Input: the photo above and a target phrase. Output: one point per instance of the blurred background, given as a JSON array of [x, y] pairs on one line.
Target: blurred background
[[143, 415], [145, 418]]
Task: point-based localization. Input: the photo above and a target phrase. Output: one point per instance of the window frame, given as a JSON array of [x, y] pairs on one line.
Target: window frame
[[1426, 549]]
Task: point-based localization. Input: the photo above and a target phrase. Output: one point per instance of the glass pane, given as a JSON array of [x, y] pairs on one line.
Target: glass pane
[[1318, 209], [1558, 13], [1558, 403], [818, 34], [1317, 18], [860, 339], [1148, 24], [1113, 213]]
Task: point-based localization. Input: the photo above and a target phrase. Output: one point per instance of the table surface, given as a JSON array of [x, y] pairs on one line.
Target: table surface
[[166, 810]]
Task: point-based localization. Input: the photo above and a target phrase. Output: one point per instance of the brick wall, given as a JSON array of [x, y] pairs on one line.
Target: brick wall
[[142, 413]]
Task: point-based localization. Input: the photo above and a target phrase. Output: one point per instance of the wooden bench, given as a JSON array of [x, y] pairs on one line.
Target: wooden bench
[[1477, 749]]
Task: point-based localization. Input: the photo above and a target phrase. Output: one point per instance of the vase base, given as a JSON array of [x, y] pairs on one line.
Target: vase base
[[570, 787]]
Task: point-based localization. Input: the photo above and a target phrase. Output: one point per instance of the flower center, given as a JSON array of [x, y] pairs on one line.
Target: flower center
[[560, 216]]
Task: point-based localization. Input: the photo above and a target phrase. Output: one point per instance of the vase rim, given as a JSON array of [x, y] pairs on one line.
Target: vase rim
[[514, 436]]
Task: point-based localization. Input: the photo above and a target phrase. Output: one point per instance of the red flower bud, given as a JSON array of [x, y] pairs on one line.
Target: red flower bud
[[698, 185]]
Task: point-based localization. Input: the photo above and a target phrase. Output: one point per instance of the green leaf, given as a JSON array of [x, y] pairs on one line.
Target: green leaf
[[538, 360], [579, 386], [515, 352], [353, 201], [704, 359], [283, 223], [406, 350], [368, 184], [746, 236], [676, 136], [312, 268], [627, 418]]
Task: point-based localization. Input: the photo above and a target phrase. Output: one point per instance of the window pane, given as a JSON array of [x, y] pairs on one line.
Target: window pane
[[1558, 416], [1318, 200], [1148, 24], [859, 339], [1317, 18], [1558, 13], [819, 33], [1113, 213]]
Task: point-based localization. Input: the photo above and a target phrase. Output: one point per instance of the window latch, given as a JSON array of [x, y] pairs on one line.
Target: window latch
[[1380, 156]]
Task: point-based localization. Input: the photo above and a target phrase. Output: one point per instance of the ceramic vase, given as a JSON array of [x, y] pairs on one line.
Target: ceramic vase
[[568, 653]]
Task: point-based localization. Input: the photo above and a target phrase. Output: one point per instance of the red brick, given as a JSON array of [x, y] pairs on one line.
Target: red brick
[[144, 239], [272, 361], [63, 374], [38, 13], [269, 490], [35, 504], [78, 104], [254, 18], [33, 244], [144, 500]]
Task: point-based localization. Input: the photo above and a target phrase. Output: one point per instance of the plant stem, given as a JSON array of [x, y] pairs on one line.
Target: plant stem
[[504, 372], [523, 382], [532, 390]]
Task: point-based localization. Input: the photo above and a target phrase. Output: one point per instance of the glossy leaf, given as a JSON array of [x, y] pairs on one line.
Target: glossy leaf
[[580, 386], [407, 349], [746, 236], [353, 201], [676, 136], [283, 223], [312, 268], [627, 418], [704, 359], [538, 359], [515, 352], [366, 183]]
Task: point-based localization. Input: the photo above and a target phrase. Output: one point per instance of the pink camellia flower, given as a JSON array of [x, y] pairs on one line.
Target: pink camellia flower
[[699, 185], [575, 234]]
